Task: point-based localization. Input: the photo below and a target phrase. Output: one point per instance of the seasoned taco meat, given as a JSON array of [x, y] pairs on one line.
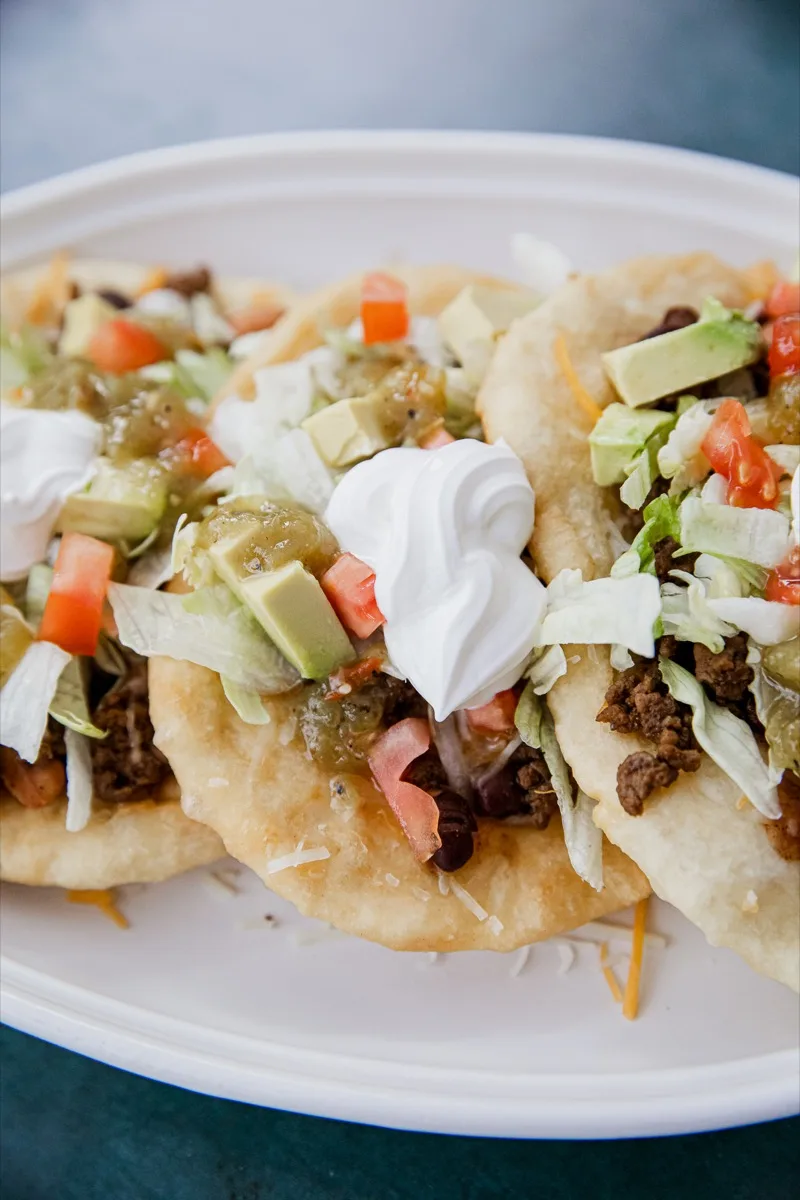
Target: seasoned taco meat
[[665, 560], [35, 785], [726, 675], [126, 764], [784, 834], [638, 702]]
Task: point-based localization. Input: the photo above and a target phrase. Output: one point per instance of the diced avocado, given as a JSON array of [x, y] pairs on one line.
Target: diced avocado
[[293, 609], [82, 318], [721, 341], [472, 322], [119, 504], [619, 436], [348, 431]]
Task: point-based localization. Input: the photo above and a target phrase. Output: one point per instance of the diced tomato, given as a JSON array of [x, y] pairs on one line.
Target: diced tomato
[[495, 717], [384, 309], [255, 317], [350, 586], [437, 438], [783, 300], [415, 809], [196, 454], [73, 614], [736, 453], [350, 678], [784, 351], [783, 584], [120, 346]]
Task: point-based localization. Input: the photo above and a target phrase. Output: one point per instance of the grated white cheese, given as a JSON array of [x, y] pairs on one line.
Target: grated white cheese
[[750, 902], [421, 894], [217, 781], [297, 858], [495, 924], [444, 886], [566, 955], [520, 962], [391, 879], [469, 902]]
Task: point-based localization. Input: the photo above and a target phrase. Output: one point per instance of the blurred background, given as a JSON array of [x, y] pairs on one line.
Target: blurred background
[[85, 80]]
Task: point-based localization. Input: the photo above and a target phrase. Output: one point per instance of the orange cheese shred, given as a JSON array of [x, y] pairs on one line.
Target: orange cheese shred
[[154, 279], [571, 375], [104, 900], [630, 1003], [608, 973], [51, 293]]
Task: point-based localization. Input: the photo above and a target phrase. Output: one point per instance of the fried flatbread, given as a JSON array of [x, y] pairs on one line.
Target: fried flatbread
[[699, 849]]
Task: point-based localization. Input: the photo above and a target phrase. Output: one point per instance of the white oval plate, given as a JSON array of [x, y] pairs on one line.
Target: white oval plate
[[201, 991]]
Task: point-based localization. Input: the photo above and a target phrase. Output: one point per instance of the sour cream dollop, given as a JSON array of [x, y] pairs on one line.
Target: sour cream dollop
[[44, 456], [443, 531]]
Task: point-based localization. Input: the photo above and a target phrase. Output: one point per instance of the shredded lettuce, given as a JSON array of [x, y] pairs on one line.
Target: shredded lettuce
[[766, 621], [620, 611], [547, 665], [787, 457], [643, 472], [208, 627], [688, 615], [208, 371], [729, 576], [757, 535], [660, 521], [27, 696], [248, 704], [583, 839], [681, 458], [23, 353], [37, 589], [69, 706], [79, 780], [726, 739]]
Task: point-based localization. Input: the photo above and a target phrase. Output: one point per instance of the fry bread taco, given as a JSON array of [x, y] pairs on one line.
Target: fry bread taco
[[348, 696], [107, 370], [656, 407]]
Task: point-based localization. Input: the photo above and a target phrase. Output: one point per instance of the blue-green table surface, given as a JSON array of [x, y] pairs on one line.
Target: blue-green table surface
[[82, 80], [74, 1130]]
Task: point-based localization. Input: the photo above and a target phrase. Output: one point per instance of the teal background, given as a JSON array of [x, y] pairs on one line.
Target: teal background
[[74, 1130], [83, 80]]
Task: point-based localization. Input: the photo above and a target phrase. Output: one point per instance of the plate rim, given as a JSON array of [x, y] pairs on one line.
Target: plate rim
[[736, 1092]]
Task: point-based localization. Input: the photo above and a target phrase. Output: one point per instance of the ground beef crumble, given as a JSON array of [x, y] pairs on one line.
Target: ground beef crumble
[[35, 785], [189, 283], [126, 764], [638, 702]]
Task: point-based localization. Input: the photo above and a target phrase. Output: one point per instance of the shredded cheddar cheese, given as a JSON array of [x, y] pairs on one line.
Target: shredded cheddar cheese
[[742, 803], [104, 900], [154, 279], [610, 977], [630, 1004], [571, 375]]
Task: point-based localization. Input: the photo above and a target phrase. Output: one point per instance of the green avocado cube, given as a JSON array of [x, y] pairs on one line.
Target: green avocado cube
[[290, 606], [721, 341], [347, 432], [619, 436], [472, 322], [82, 318], [119, 503]]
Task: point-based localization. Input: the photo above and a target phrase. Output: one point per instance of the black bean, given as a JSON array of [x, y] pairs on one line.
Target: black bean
[[457, 827], [674, 318], [114, 298], [500, 795]]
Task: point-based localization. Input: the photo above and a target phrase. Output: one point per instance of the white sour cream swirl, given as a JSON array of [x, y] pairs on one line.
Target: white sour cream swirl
[[44, 456], [443, 531]]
